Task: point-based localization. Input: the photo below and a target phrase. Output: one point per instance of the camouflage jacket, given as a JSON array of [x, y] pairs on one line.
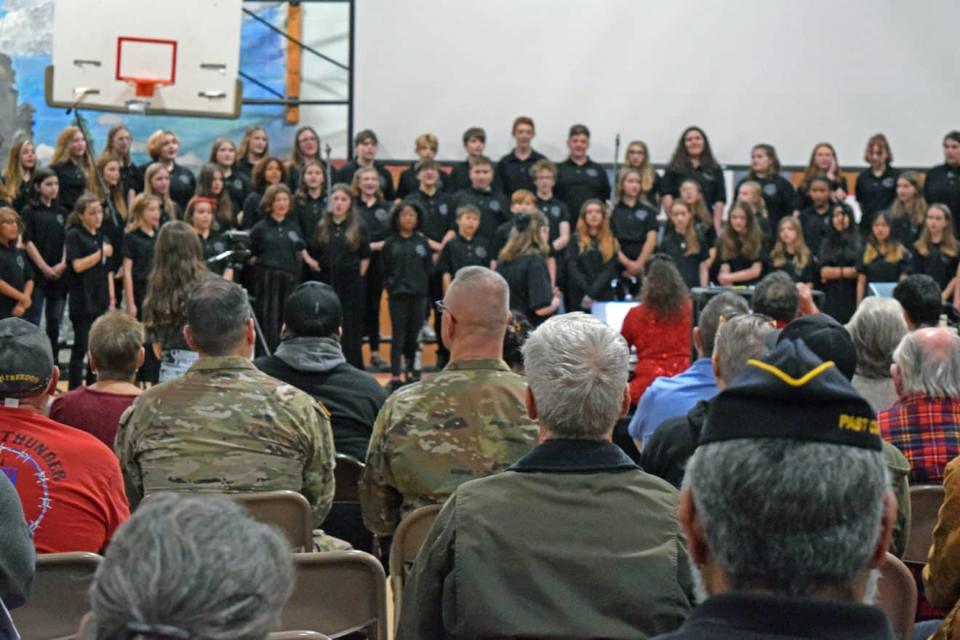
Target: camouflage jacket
[[466, 422], [226, 427]]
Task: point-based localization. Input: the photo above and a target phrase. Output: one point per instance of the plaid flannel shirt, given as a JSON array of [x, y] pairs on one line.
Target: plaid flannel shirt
[[927, 431]]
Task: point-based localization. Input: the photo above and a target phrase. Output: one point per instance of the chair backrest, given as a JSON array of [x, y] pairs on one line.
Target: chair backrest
[[287, 510], [347, 475], [897, 596], [925, 501], [59, 595], [297, 635], [336, 593], [407, 540]]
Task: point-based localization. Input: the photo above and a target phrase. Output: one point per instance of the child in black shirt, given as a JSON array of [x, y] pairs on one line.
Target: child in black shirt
[[683, 241], [778, 192], [365, 153], [311, 197], [693, 158], [407, 265], [816, 218], [374, 215], [555, 209], [936, 252], [514, 169], [426, 149], [466, 249], [837, 260], [578, 177], [592, 264], [16, 274], [634, 223], [138, 247], [475, 142], [199, 216], [876, 186], [883, 259], [741, 248], [491, 204], [790, 253]]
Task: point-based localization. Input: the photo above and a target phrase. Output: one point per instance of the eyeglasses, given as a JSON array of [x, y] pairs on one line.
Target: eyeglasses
[[442, 308]]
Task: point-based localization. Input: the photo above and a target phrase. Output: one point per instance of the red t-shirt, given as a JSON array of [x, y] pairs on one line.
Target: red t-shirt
[[69, 483], [96, 412], [663, 345]]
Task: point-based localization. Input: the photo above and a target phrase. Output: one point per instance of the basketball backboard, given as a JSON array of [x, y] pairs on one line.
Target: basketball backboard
[[175, 57]]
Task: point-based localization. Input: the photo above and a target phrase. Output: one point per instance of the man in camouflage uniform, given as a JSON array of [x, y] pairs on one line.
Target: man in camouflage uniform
[[224, 426], [468, 421]]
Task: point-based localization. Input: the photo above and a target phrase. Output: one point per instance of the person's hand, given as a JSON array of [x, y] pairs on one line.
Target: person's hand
[[59, 269], [25, 301], [48, 273], [311, 263], [131, 309], [805, 305], [107, 249], [825, 273], [18, 310], [723, 279]]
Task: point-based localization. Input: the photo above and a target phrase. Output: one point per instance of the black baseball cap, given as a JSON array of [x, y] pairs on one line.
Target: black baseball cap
[[827, 338], [312, 310], [26, 360]]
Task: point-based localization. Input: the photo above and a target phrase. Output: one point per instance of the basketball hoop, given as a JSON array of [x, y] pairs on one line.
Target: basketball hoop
[[146, 87], [146, 64]]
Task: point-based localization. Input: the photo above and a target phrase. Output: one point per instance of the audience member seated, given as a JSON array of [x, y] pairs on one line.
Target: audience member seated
[[190, 567], [776, 296], [671, 396], [804, 558], [876, 329], [941, 576], [69, 482], [224, 426], [659, 328], [115, 354], [310, 358], [17, 556], [924, 422], [573, 540], [919, 295], [468, 421], [739, 338]]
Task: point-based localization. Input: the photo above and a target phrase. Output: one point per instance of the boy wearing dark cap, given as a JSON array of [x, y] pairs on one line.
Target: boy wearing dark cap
[[68, 481]]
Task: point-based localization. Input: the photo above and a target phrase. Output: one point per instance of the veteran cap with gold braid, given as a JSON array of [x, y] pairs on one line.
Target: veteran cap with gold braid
[[792, 394], [26, 361]]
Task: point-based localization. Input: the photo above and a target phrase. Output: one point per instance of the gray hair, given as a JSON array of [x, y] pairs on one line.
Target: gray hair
[[724, 306], [876, 329], [929, 363], [777, 517], [577, 367], [217, 314], [482, 298], [739, 339], [200, 564]]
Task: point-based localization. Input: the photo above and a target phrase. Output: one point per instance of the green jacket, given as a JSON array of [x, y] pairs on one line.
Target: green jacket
[[574, 541]]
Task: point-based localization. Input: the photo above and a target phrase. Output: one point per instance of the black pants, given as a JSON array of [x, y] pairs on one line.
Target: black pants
[[271, 289], [406, 318], [372, 295], [436, 293], [81, 334], [349, 287], [49, 301], [150, 371]]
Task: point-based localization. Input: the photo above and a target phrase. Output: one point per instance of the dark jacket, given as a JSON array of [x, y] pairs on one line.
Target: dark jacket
[[666, 453]]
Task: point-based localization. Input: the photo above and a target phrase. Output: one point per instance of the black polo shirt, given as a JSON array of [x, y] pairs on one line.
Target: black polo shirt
[[213, 245], [237, 187], [529, 282], [89, 290], [802, 201], [875, 193], [942, 185], [577, 183], [251, 210], [494, 209], [514, 173], [345, 175], [631, 224], [132, 177], [337, 255], [277, 244], [556, 212], [16, 271], [376, 219], [711, 183], [308, 211], [741, 263], [815, 227], [778, 195], [589, 274], [182, 185], [44, 227], [903, 229], [439, 216], [139, 247], [460, 252], [936, 264], [113, 228], [407, 265], [459, 178], [882, 270], [73, 182], [409, 183], [797, 274], [675, 245]]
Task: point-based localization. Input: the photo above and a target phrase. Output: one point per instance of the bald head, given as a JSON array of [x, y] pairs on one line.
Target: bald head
[[478, 301], [928, 361]]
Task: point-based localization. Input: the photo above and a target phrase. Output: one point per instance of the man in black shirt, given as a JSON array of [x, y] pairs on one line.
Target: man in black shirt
[[578, 177], [365, 150], [515, 169], [492, 205]]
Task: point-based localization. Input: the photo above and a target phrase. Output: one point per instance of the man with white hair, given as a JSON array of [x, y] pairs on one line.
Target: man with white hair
[[786, 506], [924, 423], [574, 540], [466, 422]]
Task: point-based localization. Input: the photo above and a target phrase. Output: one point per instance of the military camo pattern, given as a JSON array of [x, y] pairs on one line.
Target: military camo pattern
[[226, 427], [466, 422]]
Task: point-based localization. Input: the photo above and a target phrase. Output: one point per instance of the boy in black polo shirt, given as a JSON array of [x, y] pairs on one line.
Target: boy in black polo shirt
[[578, 177], [365, 151], [514, 169], [475, 142], [426, 148], [465, 249], [558, 216], [16, 273], [491, 204]]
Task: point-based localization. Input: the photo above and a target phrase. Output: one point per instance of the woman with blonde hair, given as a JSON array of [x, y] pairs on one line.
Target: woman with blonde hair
[[790, 253], [21, 163], [637, 156], [937, 252], [254, 147], [157, 183], [592, 264], [523, 264], [909, 208], [74, 167]]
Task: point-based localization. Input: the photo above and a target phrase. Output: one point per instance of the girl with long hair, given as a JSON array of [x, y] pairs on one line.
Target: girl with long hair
[[936, 252], [876, 186], [211, 183], [637, 156], [634, 223], [16, 274], [884, 258], [74, 166], [223, 154], [751, 192], [817, 218], [156, 183], [306, 147], [823, 164], [778, 192], [341, 254], [88, 253], [115, 212], [373, 212], [119, 144], [790, 253], [741, 248], [660, 327], [693, 158], [684, 243], [909, 208], [254, 147], [178, 268], [21, 164], [139, 249], [523, 264], [162, 147], [276, 247], [838, 258], [200, 217], [311, 197], [267, 172], [44, 234], [592, 263]]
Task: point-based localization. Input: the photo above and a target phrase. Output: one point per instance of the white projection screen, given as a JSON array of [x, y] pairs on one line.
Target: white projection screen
[[791, 73]]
